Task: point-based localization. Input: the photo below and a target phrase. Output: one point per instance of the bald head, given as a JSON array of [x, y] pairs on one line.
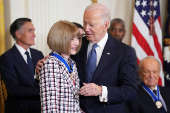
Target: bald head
[[149, 70]]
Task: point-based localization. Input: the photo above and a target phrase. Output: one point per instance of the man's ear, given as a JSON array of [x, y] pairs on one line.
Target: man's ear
[[17, 34], [106, 25]]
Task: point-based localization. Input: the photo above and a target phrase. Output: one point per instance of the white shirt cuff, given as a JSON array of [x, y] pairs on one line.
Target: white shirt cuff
[[104, 96]]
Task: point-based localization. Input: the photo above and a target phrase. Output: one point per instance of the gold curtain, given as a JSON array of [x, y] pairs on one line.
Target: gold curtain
[[2, 28], [2, 50]]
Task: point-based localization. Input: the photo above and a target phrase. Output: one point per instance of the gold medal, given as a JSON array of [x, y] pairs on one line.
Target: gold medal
[[158, 104], [73, 76]]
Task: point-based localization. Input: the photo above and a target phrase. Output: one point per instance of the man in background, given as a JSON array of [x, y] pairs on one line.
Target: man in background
[[151, 97], [117, 29], [17, 67]]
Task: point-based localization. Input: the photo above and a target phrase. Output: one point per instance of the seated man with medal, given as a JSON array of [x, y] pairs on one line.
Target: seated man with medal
[[151, 98], [59, 81]]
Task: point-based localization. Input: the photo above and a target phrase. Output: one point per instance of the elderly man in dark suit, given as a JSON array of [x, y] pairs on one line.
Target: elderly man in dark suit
[[105, 88], [106, 66], [17, 67], [151, 98]]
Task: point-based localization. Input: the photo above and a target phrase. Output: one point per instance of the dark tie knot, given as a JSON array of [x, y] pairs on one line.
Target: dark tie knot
[[29, 62], [155, 92], [27, 53]]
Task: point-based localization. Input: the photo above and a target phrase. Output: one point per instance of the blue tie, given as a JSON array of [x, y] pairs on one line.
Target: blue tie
[[155, 92], [29, 61], [91, 63]]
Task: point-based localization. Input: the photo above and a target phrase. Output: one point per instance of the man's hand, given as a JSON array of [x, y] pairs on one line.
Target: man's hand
[[91, 89], [40, 64]]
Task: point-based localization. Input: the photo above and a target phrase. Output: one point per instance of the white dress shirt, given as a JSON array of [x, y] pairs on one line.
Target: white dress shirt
[[99, 51], [22, 51]]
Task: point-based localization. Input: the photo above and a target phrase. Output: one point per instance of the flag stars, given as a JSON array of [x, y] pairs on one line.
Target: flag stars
[[144, 3], [143, 13], [155, 3], [154, 13], [149, 13], [137, 3]]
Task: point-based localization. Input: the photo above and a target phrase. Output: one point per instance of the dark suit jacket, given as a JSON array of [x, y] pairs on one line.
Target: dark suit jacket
[[116, 71], [19, 80], [145, 104]]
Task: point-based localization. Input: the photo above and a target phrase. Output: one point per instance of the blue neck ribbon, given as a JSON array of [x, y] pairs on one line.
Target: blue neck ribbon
[[151, 93], [62, 60]]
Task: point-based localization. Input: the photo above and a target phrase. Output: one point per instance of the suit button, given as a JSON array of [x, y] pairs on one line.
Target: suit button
[[104, 105]]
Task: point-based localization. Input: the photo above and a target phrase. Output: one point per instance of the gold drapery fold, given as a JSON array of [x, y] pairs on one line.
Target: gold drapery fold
[[3, 94], [2, 28]]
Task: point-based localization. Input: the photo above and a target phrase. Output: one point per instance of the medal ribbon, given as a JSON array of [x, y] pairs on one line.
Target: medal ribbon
[[151, 93], [62, 60]]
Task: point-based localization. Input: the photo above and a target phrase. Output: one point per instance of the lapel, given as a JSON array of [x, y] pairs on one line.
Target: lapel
[[108, 52], [165, 96], [147, 98], [18, 57], [33, 55], [83, 59]]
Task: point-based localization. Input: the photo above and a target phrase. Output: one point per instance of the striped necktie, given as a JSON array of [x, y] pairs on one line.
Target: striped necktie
[[91, 63]]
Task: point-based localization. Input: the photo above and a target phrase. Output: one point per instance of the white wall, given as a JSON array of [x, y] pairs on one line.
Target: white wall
[[51, 11]]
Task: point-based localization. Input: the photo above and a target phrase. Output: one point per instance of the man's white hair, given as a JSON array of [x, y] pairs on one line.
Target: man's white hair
[[105, 13], [149, 57]]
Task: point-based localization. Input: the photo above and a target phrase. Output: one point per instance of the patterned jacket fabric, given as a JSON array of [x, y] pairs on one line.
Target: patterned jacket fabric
[[59, 94]]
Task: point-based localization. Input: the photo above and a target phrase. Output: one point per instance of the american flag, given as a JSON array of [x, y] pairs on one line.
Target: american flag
[[147, 33]]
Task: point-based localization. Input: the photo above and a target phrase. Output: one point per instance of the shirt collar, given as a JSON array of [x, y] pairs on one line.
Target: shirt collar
[[22, 50], [102, 42], [154, 89]]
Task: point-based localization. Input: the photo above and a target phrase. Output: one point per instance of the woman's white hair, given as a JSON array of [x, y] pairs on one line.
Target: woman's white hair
[[105, 13]]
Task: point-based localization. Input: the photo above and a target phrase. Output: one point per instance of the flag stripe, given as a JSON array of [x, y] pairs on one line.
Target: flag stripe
[[144, 30], [159, 19], [141, 41], [140, 53], [158, 33], [158, 47], [144, 43]]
